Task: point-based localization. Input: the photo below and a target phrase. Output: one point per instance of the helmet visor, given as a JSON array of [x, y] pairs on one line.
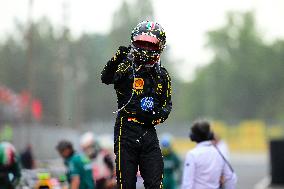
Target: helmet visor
[[146, 42]]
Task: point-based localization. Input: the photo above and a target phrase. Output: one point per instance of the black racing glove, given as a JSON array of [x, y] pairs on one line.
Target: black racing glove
[[120, 54], [147, 117], [107, 75]]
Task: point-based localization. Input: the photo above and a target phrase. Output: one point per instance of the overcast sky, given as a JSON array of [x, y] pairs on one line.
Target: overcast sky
[[185, 21]]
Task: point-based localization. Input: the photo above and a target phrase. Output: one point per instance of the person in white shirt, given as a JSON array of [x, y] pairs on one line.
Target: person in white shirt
[[205, 166], [222, 146]]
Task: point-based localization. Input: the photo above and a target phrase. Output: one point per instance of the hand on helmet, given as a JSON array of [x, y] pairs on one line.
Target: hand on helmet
[[121, 54]]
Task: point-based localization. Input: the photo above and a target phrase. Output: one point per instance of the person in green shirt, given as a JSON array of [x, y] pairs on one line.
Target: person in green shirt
[[171, 163], [10, 171], [79, 169]]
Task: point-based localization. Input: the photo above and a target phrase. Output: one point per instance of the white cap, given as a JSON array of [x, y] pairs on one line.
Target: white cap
[[87, 139]]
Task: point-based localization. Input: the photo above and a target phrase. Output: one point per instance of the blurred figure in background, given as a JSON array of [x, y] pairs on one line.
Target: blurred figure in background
[[10, 172], [27, 158], [102, 162], [79, 173], [171, 163], [205, 166]]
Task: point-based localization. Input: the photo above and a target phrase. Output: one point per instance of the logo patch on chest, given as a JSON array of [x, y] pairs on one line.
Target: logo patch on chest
[[147, 103], [159, 88], [138, 83]]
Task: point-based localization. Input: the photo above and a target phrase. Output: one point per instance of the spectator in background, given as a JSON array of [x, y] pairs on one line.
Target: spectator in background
[[102, 162], [79, 173], [10, 172], [27, 159], [171, 163], [204, 166]]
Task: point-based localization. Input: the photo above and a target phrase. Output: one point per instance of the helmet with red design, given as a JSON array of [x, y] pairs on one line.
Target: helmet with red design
[[7, 154], [148, 41]]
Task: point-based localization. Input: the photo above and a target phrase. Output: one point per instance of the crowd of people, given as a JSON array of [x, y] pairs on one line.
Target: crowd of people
[[93, 167]]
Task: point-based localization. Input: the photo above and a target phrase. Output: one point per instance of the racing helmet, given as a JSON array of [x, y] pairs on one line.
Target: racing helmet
[[7, 154], [148, 41]]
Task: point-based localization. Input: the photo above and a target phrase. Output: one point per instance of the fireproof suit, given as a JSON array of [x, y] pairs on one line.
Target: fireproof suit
[[136, 142]]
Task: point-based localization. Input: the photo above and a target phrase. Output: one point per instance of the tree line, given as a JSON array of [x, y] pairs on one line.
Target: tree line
[[244, 80]]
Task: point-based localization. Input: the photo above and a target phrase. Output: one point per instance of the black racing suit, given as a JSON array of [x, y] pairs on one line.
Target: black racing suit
[[136, 142]]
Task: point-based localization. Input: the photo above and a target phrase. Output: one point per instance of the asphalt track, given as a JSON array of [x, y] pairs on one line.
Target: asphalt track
[[251, 169]]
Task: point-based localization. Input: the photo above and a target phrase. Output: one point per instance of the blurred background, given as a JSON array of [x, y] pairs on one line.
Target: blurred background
[[225, 58]]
